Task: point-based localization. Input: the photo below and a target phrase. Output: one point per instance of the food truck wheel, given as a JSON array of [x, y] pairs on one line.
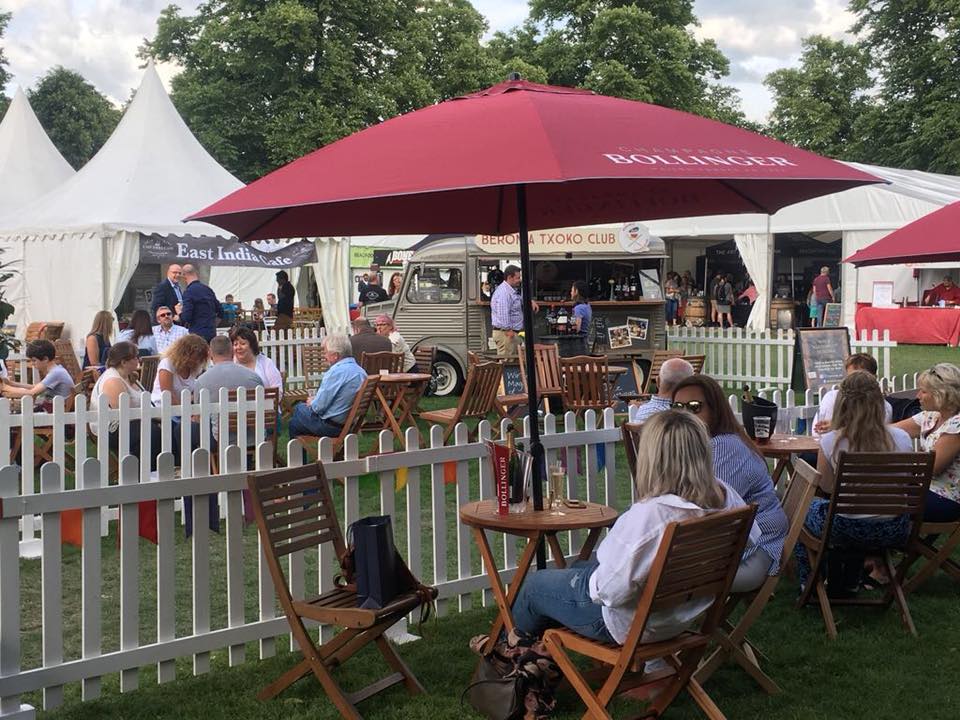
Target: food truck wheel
[[447, 373]]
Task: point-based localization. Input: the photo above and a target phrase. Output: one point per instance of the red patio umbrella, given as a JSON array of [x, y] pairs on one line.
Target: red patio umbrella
[[521, 156], [932, 238]]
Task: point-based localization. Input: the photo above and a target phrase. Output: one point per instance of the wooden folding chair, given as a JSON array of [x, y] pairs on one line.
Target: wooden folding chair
[[937, 558], [313, 367], [373, 363], [653, 376], [586, 383], [477, 400], [697, 559], [731, 640], [549, 380], [148, 371], [870, 484], [271, 399], [68, 358], [426, 356], [696, 361], [353, 423], [631, 443], [294, 511]]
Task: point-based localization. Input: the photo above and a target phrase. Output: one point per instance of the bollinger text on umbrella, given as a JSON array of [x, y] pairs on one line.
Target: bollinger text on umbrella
[[712, 160]]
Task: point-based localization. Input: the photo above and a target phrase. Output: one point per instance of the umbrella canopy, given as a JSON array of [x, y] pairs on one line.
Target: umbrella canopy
[[583, 158], [932, 238]]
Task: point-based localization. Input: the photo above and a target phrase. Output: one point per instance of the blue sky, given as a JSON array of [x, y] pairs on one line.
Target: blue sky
[[99, 38]]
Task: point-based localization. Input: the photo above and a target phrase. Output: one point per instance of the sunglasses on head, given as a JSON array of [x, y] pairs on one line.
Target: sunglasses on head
[[692, 406]]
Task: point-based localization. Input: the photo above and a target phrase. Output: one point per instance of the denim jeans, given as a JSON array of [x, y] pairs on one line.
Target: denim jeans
[[560, 598], [671, 307], [305, 421]]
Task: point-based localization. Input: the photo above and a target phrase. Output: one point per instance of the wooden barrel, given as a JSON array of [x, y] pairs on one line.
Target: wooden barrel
[[778, 319], [696, 312]]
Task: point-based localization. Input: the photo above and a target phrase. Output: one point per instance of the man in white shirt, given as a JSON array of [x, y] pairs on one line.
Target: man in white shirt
[[165, 332], [671, 373], [857, 361]]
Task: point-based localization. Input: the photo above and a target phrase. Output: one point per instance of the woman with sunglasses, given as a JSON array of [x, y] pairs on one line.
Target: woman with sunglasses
[[597, 598], [383, 324], [938, 428], [738, 463]]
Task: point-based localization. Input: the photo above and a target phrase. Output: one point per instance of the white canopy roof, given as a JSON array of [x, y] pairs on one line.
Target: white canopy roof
[[30, 165], [150, 174], [909, 195]]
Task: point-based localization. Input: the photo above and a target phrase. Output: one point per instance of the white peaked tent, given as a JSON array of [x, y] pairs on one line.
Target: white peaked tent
[[859, 216], [30, 166]]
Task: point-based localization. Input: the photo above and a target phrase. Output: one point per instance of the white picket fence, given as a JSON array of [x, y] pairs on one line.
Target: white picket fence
[[761, 359], [427, 545]]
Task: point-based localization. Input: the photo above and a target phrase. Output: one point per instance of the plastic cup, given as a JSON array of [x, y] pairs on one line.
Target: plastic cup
[[761, 430]]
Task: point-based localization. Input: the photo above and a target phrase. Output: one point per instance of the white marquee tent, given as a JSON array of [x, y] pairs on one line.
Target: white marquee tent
[[859, 216], [30, 166], [79, 244]]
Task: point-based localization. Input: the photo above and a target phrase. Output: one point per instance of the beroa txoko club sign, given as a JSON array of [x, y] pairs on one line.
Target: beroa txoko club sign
[[632, 237]]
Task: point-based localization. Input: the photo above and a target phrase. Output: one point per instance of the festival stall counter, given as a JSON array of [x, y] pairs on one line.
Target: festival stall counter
[[912, 325], [448, 282]]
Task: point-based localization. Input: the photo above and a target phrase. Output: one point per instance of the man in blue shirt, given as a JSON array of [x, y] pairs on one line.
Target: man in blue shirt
[[201, 309], [325, 413], [506, 312], [671, 373]]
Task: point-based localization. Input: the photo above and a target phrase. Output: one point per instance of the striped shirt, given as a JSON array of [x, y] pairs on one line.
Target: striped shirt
[[506, 309], [642, 413], [166, 338], [746, 472]]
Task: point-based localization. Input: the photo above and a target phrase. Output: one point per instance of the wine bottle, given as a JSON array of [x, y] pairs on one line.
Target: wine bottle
[[747, 397]]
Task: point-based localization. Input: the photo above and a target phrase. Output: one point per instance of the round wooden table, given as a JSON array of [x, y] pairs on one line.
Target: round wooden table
[[535, 526], [782, 448], [408, 387]]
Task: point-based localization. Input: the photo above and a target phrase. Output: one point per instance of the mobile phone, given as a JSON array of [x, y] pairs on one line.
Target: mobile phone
[[573, 503]]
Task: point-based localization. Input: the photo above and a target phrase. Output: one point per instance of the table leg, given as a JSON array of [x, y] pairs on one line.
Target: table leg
[[504, 601], [778, 469], [403, 406], [390, 419], [558, 559], [586, 550]]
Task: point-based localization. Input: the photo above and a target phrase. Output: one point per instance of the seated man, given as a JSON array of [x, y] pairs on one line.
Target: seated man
[[671, 373], [165, 333], [947, 292], [324, 413], [366, 340], [225, 373], [54, 378]]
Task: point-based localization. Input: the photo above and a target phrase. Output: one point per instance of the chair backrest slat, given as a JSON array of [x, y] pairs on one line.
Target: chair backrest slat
[[66, 357], [796, 502], [659, 358], [586, 384], [373, 363], [696, 361], [148, 370], [313, 362], [426, 356], [631, 442], [480, 390], [358, 411], [547, 359]]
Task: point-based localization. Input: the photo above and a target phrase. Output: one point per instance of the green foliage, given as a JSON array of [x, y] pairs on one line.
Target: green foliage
[[817, 105], [8, 343], [266, 82], [4, 72], [76, 116], [642, 51]]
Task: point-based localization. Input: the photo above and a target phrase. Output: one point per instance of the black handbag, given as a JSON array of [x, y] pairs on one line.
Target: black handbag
[[493, 695], [376, 562]]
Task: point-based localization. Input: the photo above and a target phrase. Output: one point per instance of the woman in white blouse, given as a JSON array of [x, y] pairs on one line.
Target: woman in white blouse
[[180, 367], [246, 352], [598, 598], [384, 326]]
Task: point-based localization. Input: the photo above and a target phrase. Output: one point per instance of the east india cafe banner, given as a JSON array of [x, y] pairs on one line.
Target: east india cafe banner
[[220, 251]]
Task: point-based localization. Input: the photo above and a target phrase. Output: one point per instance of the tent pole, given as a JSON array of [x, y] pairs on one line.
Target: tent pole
[[536, 447]]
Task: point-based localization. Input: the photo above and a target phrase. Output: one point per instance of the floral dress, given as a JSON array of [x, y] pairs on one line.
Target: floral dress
[[947, 483]]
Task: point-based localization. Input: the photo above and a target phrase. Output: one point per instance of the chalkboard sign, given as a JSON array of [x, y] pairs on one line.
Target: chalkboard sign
[[628, 382], [832, 315], [822, 354], [597, 338], [512, 383]]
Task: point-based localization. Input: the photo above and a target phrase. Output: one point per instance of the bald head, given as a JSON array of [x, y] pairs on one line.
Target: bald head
[[190, 273], [671, 373]]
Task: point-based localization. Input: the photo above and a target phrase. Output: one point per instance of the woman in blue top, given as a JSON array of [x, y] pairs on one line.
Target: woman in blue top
[[582, 313], [738, 463]]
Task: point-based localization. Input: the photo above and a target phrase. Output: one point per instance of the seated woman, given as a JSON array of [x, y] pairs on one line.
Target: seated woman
[[858, 422], [384, 326], [938, 427], [98, 340], [180, 367], [597, 598], [737, 462], [123, 361], [246, 352], [140, 333], [54, 378]]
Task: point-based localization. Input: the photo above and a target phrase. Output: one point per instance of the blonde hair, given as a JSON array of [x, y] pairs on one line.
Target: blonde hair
[[188, 354], [674, 457], [102, 324], [942, 381], [859, 415]]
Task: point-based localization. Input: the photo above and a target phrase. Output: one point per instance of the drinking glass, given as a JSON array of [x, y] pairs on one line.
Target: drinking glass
[[761, 430], [558, 478]]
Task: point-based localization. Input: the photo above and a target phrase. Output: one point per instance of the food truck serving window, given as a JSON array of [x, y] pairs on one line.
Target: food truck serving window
[[435, 285]]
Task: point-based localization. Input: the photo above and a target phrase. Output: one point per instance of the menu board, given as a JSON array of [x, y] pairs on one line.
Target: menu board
[[832, 315], [628, 382], [512, 382], [822, 353]]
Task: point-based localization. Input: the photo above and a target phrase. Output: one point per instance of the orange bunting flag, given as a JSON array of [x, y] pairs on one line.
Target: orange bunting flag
[[71, 527], [450, 472], [401, 479]]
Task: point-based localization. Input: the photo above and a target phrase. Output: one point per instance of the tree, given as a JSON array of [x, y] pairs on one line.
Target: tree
[[817, 105], [266, 82], [914, 121], [642, 51], [4, 73], [76, 116]]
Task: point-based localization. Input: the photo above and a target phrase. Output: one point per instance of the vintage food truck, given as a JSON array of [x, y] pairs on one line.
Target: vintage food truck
[[445, 297]]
